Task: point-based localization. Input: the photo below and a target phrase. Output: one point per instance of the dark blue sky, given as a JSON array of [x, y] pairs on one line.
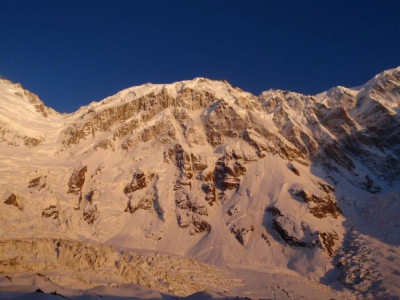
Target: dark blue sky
[[73, 52]]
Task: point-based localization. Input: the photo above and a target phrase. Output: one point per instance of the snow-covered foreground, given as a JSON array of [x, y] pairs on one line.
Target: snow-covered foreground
[[200, 190]]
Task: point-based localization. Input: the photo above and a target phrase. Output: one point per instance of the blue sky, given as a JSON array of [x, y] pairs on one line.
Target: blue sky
[[73, 52]]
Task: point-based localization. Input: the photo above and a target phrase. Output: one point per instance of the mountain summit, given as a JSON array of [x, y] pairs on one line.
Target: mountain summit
[[204, 178]]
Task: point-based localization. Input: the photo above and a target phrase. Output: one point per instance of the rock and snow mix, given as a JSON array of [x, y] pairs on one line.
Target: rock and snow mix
[[196, 186]]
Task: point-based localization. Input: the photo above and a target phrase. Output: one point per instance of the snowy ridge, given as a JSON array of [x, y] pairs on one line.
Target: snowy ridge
[[278, 183]]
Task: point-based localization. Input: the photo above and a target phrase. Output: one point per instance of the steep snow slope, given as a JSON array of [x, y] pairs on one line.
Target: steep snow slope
[[278, 183]]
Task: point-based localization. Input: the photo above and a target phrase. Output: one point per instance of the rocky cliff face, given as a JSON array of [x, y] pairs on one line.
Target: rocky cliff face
[[202, 169]]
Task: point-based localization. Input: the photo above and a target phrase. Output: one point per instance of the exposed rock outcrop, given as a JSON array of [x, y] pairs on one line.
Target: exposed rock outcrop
[[91, 214], [32, 142], [183, 162], [327, 240], [52, 212], [75, 184], [76, 181], [210, 191], [14, 200], [105, 144], [134, 112], [321, 206], [241, 234], [293, 169], [38, 182], [189, 213], [37, 103], [291, 240], [222, 123], [147, 199], [227, 173], [138, 182], [302, 236]]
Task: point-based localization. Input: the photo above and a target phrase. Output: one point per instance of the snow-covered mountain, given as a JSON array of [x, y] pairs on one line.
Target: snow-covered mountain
[[197, 185]]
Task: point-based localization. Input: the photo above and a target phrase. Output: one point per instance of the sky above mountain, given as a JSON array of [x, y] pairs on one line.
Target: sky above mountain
[[73, 52]]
